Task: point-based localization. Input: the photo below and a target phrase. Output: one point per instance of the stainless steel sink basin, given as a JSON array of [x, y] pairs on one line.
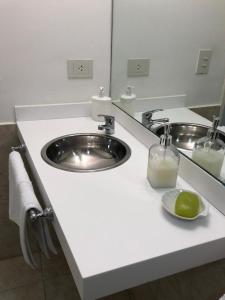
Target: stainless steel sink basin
[[184, 135], [86, 152]]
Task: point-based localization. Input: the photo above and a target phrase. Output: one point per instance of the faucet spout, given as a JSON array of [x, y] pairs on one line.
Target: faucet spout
[[109, 125], [102, 127]]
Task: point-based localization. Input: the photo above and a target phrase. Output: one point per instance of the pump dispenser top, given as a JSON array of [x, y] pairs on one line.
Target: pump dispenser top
[[166, 138], [212, 133], [129, 95], [101, 95], [101, 92]]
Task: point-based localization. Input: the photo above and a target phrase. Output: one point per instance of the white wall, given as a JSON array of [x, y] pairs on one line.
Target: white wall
[[170, 33], [36, 39]]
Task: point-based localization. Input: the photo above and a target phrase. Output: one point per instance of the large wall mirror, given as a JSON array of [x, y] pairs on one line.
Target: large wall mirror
[[168, 65]]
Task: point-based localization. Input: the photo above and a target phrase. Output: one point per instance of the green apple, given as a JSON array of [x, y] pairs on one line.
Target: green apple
[[187, 205]]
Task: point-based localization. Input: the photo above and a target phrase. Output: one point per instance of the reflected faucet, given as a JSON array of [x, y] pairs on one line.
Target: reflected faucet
[[147, 120]]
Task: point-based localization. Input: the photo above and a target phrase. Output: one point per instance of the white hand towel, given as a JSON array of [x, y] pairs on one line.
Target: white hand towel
[[17, 175], [21, 200]]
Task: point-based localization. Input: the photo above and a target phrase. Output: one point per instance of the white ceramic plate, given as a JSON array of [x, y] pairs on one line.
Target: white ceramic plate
[[169, 200]]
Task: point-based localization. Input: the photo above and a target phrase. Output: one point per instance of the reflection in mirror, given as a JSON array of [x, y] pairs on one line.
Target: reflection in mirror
[[168, 64]]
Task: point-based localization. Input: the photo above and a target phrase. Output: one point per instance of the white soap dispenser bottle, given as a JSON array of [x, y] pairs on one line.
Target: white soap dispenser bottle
[[163, 162], [127, 100], [101, 104]]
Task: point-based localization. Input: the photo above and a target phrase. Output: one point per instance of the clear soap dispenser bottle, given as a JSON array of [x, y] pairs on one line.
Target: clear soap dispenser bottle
[[209, 150], [163, 162]]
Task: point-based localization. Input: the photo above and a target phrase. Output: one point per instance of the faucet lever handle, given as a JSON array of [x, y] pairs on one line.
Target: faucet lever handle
[[148, 114], [109, 120], [107, 117], [147, 120]]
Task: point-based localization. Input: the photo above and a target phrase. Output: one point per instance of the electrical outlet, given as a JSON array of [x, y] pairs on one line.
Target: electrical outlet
[[138, 67], [79, 69], [203, 61]]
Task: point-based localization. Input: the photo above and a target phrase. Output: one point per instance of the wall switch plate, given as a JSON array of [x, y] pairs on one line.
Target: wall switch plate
[[203, 61], [138, 67], [79, 69]]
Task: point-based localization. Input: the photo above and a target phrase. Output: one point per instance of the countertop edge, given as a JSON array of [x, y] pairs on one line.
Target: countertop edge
[[153, 269]]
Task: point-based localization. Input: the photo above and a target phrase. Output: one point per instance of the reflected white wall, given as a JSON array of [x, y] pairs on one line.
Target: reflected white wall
[[170, 33]]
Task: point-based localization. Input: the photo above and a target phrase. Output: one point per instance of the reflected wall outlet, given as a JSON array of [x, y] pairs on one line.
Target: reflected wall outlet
[[138, 67], [79, 69], [203, 61]]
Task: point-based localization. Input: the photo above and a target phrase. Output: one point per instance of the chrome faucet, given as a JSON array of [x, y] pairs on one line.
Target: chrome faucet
[[109, 125], [147, 120]]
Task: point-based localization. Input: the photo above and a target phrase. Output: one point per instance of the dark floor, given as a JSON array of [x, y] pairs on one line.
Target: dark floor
[[53, 281]]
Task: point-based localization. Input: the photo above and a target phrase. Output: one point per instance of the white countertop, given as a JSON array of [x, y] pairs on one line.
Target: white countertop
[[114, 231]]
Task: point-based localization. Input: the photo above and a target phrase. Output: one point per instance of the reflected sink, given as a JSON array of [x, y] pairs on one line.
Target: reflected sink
[[86, 152], [184, 135]]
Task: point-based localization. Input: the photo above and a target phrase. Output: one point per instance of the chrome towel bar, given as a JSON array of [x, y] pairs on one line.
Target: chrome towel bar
[[47, 214], [19, 148], [33, 214]]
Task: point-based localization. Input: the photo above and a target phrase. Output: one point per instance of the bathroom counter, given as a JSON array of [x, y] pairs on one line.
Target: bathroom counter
[[111, 225]]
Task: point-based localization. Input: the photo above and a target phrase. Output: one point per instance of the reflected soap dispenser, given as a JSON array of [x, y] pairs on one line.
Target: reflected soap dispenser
[[163, 162], [127, 100], [209, 150]]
